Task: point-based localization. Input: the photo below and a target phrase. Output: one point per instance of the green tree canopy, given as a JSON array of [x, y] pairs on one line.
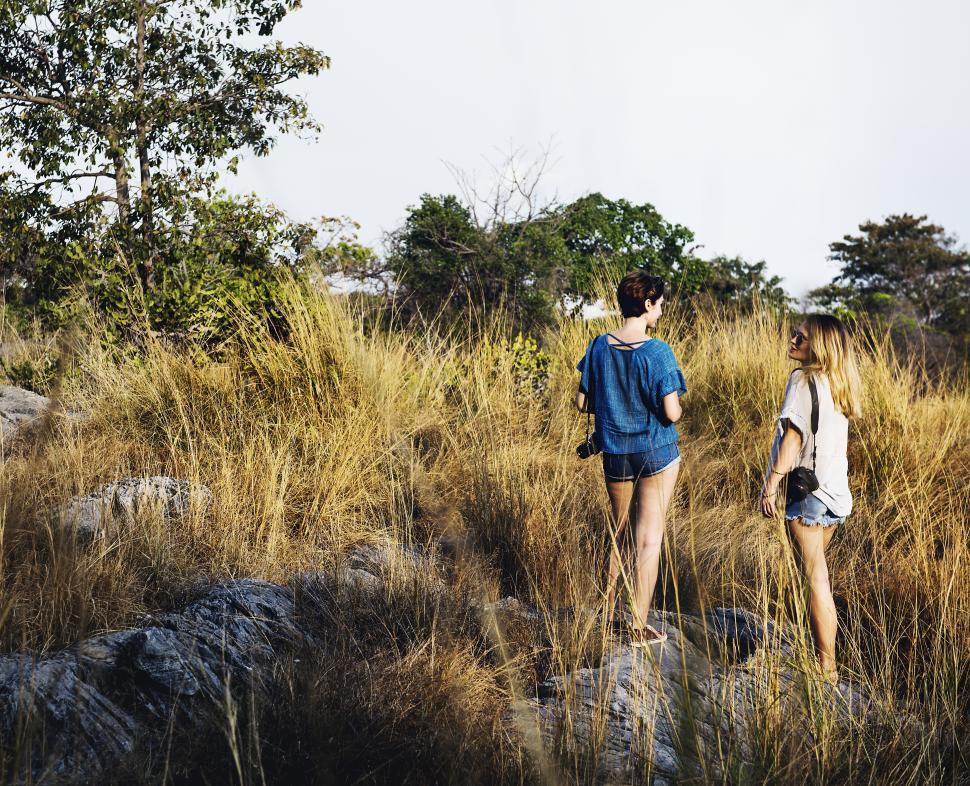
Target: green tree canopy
[[735, 281], [902, 264], [121, 109], [226, 260], [441, 259], [607, 238], [445, 258]]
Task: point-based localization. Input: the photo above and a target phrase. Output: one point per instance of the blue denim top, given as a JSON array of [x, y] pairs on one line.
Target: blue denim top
[[625, 389]]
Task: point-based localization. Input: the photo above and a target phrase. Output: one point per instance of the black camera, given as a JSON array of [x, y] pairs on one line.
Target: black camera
[[801, 482], [588, 447]]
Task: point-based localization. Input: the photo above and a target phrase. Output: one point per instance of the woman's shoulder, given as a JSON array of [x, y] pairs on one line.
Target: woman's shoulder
[[659, 348], [801, 376], [801, 382]]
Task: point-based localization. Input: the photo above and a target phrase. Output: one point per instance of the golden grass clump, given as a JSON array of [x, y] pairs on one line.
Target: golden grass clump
[[340, 433]]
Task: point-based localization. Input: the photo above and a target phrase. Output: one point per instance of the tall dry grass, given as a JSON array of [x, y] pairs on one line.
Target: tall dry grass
[[345, 433]]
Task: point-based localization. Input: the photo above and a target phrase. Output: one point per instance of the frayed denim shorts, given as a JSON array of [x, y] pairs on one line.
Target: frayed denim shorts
[[633, 466], [812, 511]]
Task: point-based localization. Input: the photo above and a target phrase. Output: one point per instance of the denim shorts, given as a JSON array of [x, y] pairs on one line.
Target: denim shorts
[[812, 510], [633, 466]]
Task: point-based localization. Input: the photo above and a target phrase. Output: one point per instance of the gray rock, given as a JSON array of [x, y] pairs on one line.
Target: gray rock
[[675, 712], [93, 515], [104, 705], [665, 711], [88, 710], [19, 407]]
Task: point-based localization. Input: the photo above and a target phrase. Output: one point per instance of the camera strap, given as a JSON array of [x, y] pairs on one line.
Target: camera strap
[[812, 389]]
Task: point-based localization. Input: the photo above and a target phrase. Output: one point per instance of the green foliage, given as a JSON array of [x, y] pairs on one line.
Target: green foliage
[[530, 365], [121, 111], [339, 253], [441, 261], [606, 239], [735, 281], [903, 267], [33, 373], [225, 259]]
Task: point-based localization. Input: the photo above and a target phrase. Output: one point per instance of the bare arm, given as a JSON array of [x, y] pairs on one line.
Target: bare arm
[[788, 452], [581, 401], [672, 408]]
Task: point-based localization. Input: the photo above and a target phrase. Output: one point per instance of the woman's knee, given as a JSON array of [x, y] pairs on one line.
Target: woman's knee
[[650, 539], [819, 584]]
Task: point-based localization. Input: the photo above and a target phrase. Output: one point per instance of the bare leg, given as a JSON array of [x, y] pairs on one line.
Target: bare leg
[[811, 542], [653, 499], [621, 492]]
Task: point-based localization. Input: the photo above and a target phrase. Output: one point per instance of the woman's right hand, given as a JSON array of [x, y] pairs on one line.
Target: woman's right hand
[[768, 506]]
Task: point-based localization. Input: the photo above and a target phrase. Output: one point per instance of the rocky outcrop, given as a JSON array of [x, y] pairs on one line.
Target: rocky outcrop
[[109, 703], [103, 705], [682, 709], [661, 713], [115, 504], [19, 407]]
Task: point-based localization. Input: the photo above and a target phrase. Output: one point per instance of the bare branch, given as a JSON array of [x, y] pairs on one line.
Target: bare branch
[[514, 196], [70, 177], [28, 99]]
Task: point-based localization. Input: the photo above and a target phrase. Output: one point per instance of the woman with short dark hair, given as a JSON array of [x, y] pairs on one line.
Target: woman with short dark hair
[[632, 383]]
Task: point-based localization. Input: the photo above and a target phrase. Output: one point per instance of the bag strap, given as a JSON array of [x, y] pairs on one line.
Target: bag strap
[[812, 389], [620, 342]]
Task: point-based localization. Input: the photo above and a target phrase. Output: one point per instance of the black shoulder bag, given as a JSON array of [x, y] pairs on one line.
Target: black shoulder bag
[[589, 446], [802, 481]]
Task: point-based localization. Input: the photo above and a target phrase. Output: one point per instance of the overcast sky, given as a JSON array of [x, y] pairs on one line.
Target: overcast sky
[[770, 129]]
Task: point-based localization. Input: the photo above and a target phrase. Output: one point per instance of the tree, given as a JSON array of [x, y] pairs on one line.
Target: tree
[[902, 265], [607, 238], [129, 104], [226, 261], [442, 260], [735, 281], [478, 251], [452, 254]]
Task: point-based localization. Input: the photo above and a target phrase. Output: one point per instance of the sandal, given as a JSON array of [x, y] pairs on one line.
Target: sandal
[[638, 639]]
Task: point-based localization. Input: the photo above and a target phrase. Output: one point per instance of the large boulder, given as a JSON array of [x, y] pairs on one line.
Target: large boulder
[[680, 710], [116, 504], [674, 712], [19, 407], [106, 704]]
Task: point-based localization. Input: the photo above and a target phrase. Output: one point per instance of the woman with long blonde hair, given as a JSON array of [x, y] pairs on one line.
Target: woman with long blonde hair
[[810, 443]]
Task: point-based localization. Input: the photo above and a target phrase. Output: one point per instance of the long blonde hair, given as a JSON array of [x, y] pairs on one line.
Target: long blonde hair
[[833, 354]]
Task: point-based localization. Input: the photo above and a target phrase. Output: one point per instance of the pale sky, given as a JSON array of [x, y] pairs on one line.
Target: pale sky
[[770, 129]]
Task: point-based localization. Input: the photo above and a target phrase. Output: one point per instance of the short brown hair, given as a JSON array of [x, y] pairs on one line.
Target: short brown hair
[[635, 288]]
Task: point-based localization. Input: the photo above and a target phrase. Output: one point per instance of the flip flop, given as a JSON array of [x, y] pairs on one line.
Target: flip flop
[[637, 638]]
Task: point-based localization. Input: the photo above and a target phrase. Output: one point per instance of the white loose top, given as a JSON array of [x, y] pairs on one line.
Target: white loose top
[[831, 463]]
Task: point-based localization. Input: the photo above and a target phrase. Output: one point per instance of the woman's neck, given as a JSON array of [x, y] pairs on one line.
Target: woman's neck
[[634, 325]]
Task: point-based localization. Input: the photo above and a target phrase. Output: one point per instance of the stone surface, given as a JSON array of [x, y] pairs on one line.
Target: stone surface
[[102, 706], [92, 515], [96, 704], [19, 407], [666, 712], [662, 714]]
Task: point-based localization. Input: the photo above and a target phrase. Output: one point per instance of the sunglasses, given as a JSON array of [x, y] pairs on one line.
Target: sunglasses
[[798, 337]]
